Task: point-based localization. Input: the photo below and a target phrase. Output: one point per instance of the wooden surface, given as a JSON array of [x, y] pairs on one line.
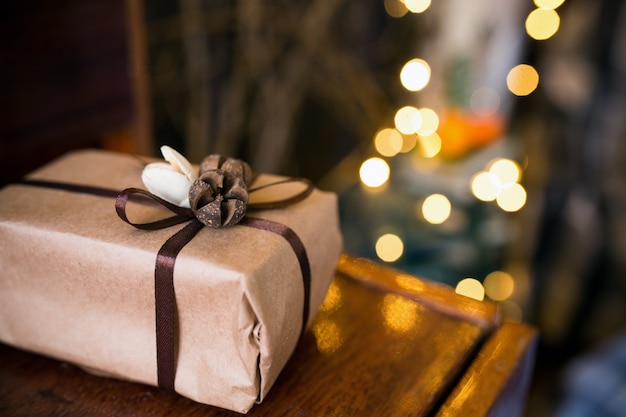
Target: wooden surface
[[384, 344]]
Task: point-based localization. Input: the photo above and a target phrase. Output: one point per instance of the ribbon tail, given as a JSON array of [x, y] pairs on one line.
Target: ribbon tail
[[165, 303]]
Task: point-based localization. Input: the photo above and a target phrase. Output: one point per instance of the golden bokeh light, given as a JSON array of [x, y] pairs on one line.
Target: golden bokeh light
[[548, 4], [472, 288], [417, 6], [328, 336], [436, 208], [388, 142], [522, 80], [408, 120], [389, 247], [430, 122], [511, 198], [395, 8], [542, 23], [408, 143], [374, 172], [485, 186], [400, 314], [485, 101], [429, 145], [499, 285], [506, 170], [415, 74]]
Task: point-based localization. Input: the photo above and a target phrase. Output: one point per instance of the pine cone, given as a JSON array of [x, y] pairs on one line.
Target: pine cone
[[219, 197]]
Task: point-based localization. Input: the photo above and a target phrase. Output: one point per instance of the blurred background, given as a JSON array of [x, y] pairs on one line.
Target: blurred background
[[479, 144]]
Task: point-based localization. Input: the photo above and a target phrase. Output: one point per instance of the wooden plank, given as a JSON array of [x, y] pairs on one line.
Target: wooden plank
[[497, 381], [370, 351]]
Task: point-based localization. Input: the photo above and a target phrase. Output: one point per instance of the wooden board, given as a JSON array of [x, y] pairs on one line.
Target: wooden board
[[383, 344]]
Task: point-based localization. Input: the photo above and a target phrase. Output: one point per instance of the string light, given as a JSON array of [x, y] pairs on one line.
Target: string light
[[388, 142], [542, 24], [522, 80], [506, 170], [417, 6], [395, 8], [408, 142], [430, 122], [499, 285], [500, 183], [408, 120], [415, 74], [472, 288], [512, 197], [436, 208], [389, 247], [374, 172], [429, 145], [548, 4], [485, 186]]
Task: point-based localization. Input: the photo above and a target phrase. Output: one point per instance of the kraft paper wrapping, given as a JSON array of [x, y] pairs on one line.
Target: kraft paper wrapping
[[77, 283]]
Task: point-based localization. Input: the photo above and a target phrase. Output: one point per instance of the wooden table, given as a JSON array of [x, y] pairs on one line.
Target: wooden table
[[383, 344]]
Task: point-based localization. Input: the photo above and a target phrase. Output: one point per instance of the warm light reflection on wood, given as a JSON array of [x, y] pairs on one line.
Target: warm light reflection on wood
[[328, 336], [333, 298], [399, 313]]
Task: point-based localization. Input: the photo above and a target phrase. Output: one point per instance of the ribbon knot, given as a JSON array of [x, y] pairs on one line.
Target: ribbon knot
[[165, 300]]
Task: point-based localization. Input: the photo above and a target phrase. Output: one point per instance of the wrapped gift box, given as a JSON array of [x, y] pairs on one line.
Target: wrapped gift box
[[78, 283]]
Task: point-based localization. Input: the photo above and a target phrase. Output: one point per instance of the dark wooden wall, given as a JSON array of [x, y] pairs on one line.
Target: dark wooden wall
[[64, 79]]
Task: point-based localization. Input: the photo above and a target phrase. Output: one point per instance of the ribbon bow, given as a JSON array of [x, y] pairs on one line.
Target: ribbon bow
[[206, 210]]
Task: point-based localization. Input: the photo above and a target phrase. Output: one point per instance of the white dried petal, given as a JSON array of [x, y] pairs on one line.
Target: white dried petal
[[179, 162], [164, 181]]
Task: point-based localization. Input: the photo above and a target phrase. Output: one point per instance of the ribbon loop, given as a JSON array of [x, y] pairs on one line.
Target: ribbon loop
[[181, 214]]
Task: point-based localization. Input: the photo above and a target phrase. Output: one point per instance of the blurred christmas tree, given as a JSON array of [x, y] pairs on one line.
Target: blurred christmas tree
[[337, 90]]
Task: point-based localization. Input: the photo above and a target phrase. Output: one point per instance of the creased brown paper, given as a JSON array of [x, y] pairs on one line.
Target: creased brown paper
[[77, 283]]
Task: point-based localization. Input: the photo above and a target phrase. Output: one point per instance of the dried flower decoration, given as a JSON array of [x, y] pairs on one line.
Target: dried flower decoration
[[170, 180], [218, 197]]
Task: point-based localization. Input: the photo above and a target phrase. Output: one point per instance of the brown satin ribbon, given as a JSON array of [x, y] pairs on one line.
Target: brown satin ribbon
[[165, 300]]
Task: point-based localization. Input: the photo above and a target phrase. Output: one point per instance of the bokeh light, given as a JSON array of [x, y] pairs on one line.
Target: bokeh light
[[548, 4], [511, 198], [417, 6], [430, 122], [436, 208], [389, 247], [415, 74], [499, 285], [429, 145], [485, 186], [506, 170], [472, 288], [408, 142], [388, 142], [522, 80], [374, 172], [541, 23], [395, 8], [408, 120]]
